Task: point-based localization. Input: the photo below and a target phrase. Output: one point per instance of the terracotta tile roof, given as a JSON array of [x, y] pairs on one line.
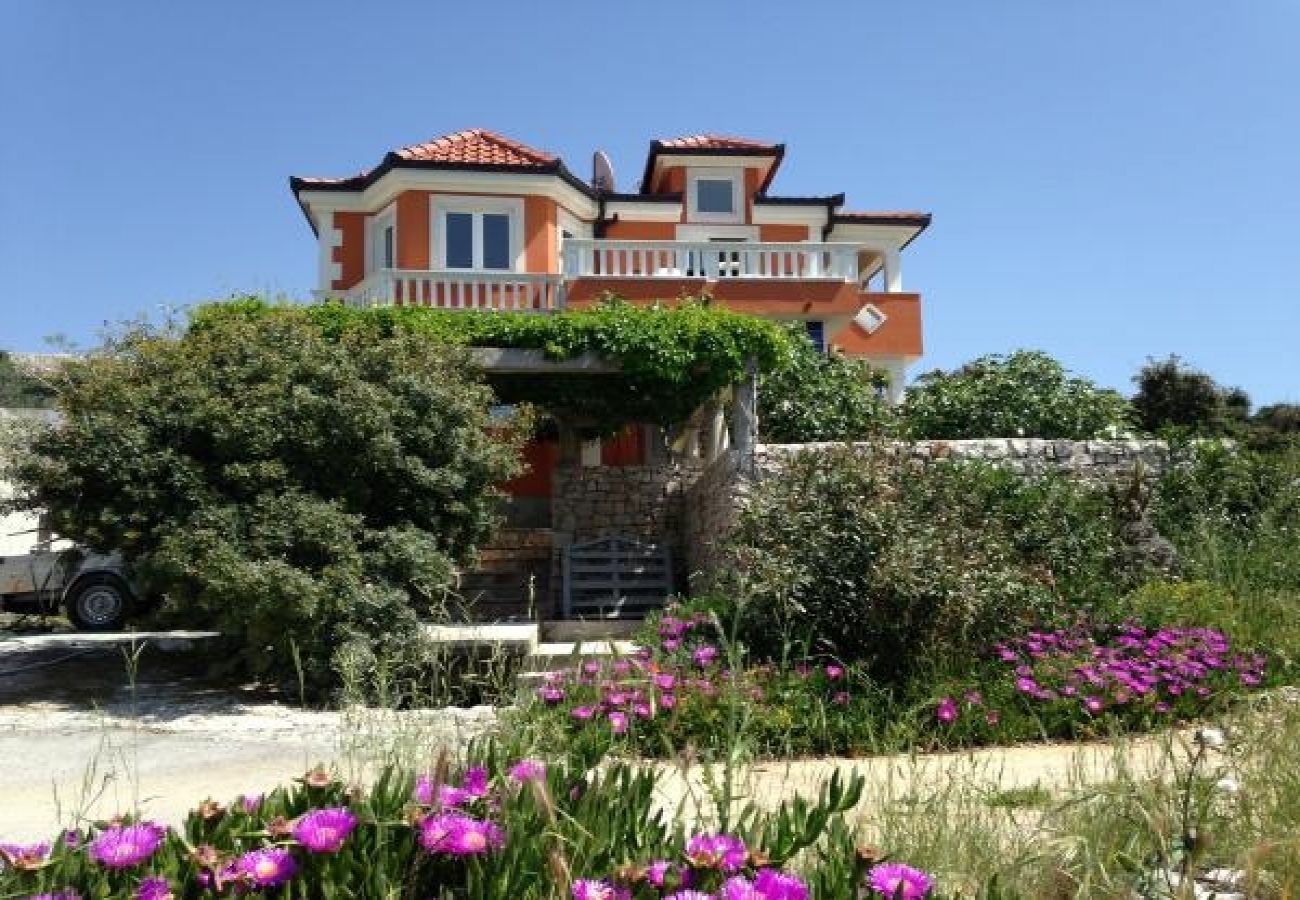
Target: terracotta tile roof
[[479, 147], [474, 149], [713, 142], [900, 215]]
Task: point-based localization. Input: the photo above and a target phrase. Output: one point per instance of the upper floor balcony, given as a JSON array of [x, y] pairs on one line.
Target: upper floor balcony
[[639, 269]]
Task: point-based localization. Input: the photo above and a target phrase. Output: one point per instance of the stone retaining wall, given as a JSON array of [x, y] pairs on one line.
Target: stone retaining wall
[[714, 501]]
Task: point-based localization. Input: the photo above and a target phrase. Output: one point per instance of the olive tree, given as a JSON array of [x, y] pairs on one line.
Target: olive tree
[[307, 494]]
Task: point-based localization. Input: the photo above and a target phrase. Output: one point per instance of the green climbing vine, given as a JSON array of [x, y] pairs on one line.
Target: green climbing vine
[[672, 359]]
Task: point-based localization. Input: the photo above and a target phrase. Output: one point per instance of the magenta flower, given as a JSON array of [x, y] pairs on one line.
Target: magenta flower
[[946, 712], [155, 887], [528, 770], [690, 895], [24, 856], [324, 830], [716, 851], [268, 867], [656, 872], [123, 846], [591, 889], [992, 717], [841, 698], [705, 656], [424, 790], [550, 694], [668, 701], [582, 713], [834, 673], [459, 835], [618, 722], [665, 682], [476, 781], [250, 803], [774, 885], [896, 881], [1093, 704]]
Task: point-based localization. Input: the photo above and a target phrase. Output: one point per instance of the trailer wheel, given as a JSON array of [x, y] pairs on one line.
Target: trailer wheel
[[98, 603]]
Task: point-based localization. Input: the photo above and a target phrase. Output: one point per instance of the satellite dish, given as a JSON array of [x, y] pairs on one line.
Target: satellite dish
[[602, 173]]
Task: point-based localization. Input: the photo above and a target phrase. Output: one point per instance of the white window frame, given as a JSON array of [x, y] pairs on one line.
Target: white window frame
[[709, 173], [477, 206], [375, 225]]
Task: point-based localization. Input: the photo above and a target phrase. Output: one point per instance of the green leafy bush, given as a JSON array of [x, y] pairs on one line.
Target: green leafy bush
[[1171, 394], [672, 359], [887, 561], [1025, 394], [822, 397], [308, 496]]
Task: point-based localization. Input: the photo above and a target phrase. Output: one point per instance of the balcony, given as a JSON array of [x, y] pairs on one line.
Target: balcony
[[498, 291], [710, 260], [807, 272]]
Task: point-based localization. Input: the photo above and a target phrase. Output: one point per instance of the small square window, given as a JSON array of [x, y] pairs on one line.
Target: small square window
[[715, 195]]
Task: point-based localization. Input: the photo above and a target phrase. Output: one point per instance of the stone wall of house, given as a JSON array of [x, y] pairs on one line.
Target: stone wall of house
[[640, 501]]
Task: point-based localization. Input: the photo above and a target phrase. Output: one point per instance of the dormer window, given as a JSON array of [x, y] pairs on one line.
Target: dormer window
[[714, 195]]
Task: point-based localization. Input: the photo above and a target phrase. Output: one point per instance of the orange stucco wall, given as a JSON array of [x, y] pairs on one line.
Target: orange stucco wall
[[541, 242], [623, 230], [899, 336], [413, 230], [350, 254], [783, 234]]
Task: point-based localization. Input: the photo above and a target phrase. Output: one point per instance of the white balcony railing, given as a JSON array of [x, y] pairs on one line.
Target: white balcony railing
[[710, 259], [500, 291]]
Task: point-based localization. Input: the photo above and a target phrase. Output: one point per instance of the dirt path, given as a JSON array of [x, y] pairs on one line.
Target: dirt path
[[77, 739]]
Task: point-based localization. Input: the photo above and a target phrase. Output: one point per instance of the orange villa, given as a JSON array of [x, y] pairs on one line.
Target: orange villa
[[475, 220]]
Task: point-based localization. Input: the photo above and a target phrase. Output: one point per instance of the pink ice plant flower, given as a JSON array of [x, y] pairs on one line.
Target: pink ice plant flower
[[124, 846], [896, 881], [618, 722], [550, 694], [705, 656], [768, 884], [690, 895], [460, 835], [717, 851], [834, 672], [155, 887], [946, 712], [325, 830], [594, 889], [25, 855], [267, 867], [528, 770]]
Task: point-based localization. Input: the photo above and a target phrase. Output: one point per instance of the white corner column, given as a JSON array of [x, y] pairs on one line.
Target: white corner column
[[893, 265]]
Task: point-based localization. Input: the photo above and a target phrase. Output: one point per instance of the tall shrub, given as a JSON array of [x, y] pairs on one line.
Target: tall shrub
[[308, 496], [903, 566], [1025, 394], [822, 397]]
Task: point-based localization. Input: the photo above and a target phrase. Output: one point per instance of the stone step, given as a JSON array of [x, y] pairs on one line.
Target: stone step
[[589, 629]]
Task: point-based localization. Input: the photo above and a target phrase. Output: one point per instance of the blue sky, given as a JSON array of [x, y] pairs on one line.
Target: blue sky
[[1110, 180]]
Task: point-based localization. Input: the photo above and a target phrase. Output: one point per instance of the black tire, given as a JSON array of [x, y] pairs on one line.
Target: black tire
[[98, 603]]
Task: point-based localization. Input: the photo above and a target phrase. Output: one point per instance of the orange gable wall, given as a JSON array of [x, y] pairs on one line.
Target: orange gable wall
[[350, 254]]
